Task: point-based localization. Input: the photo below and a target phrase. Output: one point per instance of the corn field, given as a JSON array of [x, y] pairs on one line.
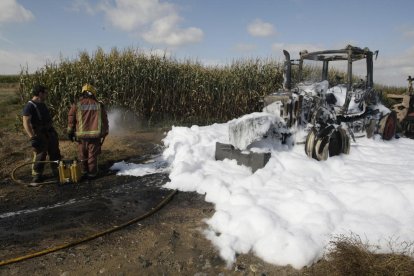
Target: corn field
[[157, 88], [160, 89]]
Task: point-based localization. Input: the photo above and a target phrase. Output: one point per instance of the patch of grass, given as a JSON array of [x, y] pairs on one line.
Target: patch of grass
[[9, 78], [10, 107], [349, 255]]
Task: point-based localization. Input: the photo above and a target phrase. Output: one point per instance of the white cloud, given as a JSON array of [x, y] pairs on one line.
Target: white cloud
[[408, 33], [394, 70], [12, 61], [165, 31], [260, 28], [83, 6], [11, 11], [5, 39], [155, 21], [244, 47], [130, 15]]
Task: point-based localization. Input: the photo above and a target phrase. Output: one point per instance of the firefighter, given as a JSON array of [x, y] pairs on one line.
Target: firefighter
[[37, 123], [88, 124]]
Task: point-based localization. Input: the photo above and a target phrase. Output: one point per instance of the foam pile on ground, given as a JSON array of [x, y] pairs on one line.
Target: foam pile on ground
[[287, 212], [156, 165]]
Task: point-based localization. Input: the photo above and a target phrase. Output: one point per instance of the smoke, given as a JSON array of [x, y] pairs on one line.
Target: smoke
[[122, 121]]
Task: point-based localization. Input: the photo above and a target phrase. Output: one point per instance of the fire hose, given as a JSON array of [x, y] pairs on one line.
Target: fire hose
[[18, 181], [92, 237]]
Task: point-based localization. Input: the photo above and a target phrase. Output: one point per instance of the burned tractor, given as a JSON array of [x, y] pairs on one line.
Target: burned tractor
[[332, 113], [404, 108], [311, 110]]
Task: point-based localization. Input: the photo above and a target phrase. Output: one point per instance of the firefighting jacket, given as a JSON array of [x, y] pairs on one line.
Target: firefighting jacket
[[88, 119]]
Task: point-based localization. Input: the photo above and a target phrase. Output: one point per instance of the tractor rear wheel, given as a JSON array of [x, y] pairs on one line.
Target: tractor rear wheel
[[388, 126]]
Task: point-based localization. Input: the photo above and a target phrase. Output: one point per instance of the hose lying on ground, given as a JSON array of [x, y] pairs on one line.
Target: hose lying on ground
[[18, 181], [89, 238]]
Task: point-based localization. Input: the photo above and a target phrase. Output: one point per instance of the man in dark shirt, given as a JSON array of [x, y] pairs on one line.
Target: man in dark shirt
[[37, 123]]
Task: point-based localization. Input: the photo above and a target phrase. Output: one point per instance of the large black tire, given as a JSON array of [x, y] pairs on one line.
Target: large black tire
[[322, 148], [346, 145], [330, 142]]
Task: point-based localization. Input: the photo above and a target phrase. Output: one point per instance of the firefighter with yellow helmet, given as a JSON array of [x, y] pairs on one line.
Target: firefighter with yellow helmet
[[88, 124]]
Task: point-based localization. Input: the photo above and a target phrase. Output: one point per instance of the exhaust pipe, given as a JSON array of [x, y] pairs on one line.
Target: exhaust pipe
[[287, 74]]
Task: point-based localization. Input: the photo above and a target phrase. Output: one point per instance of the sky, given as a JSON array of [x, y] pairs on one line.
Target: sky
[[214, 32], [287, 212]]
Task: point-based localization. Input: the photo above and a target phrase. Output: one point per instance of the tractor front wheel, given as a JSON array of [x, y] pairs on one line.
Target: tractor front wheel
[[330, 142]]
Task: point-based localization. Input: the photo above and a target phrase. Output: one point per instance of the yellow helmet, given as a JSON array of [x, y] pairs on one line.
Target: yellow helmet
[[89, 88]]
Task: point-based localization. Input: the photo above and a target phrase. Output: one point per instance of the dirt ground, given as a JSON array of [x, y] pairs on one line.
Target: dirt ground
[[170, 242]]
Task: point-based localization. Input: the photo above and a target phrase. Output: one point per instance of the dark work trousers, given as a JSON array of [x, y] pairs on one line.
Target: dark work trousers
[[88, 151], [49, 147]]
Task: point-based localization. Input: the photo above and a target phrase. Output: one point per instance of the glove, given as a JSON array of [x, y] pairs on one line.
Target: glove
[[71, 136], [36, 142]]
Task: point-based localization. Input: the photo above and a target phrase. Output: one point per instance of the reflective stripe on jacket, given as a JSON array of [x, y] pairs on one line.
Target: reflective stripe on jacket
[[88, 118]]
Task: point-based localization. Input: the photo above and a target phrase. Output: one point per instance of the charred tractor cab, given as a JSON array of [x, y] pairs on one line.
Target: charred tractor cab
[[331, 108], [322, 104]]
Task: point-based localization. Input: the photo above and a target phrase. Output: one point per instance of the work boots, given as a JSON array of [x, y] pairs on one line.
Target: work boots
[[55, 170], [36, 180], [92, 175]]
